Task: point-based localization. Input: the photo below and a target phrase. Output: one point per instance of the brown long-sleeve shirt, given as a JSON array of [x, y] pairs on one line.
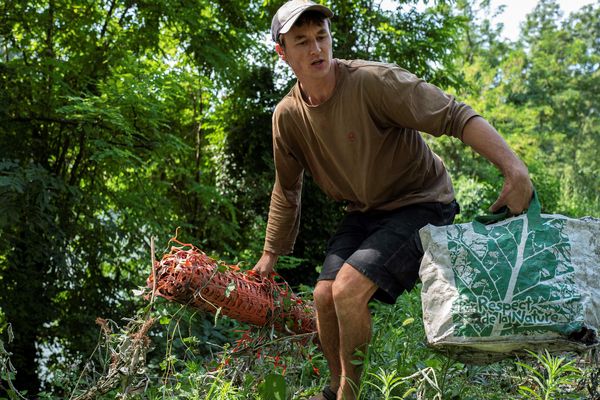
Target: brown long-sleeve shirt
[[362, 145]]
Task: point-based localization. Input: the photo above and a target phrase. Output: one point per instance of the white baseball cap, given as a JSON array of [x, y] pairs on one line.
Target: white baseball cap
[[289, 12]]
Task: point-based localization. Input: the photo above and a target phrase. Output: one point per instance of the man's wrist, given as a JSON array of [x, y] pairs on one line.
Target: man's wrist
[[517, 171], [270, 255]]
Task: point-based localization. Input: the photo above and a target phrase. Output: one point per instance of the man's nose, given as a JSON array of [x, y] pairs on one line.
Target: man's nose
[[315, 48]]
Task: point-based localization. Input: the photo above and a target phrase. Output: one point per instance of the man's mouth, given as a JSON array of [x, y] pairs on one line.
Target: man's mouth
[[317, 62]]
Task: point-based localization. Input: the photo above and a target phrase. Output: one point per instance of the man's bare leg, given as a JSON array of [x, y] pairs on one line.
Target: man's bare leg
[[351, 294], [327, 326]]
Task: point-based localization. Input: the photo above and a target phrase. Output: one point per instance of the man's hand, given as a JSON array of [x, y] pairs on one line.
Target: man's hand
[[265, 266], [516, 192]]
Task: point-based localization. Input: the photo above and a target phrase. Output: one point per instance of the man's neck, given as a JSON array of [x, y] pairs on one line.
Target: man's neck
[[318, 91]]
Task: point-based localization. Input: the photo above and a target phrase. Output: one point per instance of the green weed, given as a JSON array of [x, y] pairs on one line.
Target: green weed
[[198, 357], [551, 378]]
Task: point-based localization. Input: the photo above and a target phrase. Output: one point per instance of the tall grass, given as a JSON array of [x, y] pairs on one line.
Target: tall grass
[[196, 357]]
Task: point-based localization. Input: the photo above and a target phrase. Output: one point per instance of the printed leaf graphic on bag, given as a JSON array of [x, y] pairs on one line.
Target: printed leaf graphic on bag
[[514, 277]]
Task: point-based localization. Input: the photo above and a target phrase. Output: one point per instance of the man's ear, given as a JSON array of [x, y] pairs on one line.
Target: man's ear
[[279, 49]]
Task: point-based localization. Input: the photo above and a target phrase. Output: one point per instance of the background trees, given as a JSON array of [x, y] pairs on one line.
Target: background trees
[[103, 142], [121, 120], [540, 94]]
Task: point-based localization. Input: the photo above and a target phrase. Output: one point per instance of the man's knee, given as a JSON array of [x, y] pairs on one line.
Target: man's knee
[[344, 296], [323, 295], [351, 288]]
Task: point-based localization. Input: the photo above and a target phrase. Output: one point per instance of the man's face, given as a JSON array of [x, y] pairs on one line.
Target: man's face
[[307, 50]]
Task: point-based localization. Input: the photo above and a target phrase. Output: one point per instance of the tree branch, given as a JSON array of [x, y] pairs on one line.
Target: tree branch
[[107, 20]]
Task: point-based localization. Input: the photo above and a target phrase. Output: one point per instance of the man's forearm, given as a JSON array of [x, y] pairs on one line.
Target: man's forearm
[[485, 140]]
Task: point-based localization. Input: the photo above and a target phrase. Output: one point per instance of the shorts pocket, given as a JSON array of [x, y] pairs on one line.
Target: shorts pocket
[[404, 264]]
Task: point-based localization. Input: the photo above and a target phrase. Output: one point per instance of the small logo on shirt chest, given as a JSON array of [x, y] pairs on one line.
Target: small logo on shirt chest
[[351, 136]]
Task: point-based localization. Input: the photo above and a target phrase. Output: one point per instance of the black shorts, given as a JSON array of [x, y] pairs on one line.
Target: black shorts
[[385, 246]]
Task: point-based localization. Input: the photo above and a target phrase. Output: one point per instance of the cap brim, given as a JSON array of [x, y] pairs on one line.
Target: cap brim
[[290, 22]]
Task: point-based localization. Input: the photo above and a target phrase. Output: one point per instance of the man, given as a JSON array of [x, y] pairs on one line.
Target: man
[[354, 126]]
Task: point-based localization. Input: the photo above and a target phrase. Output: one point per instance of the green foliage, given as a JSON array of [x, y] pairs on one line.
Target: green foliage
[[273, 388], [198, 363], [420, 41], [387, 383], [473, 196], [7, 370], [125, 120], [102, 143], [549, 383], [539, 93], [239, 143]]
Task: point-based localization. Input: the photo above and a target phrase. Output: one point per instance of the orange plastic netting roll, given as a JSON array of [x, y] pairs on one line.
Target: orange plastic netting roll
[[190, 277]]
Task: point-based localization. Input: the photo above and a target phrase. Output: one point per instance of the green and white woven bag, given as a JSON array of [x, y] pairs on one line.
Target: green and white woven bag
[[526, 282]]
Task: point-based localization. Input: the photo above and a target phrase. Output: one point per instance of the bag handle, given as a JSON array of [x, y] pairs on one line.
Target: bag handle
[[533, 213]]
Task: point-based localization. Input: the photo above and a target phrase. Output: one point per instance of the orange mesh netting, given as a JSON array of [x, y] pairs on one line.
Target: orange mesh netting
[[188, 276]]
